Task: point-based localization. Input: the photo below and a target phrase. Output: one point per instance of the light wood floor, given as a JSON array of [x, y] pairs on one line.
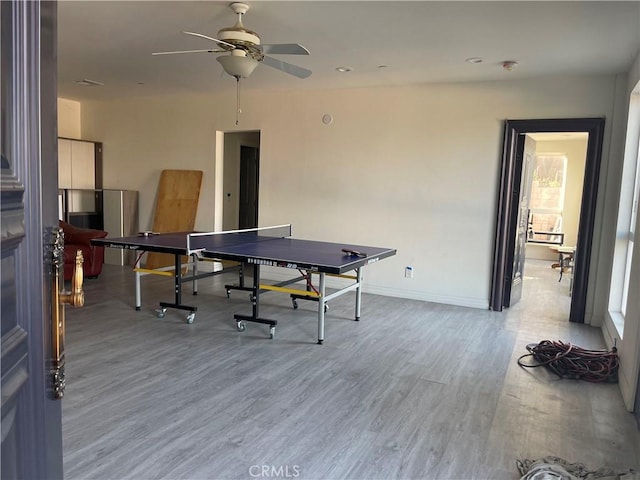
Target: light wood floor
[[414, 390]]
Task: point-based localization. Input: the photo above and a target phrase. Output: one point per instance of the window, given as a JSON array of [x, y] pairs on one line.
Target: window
[[547, 198], [630, 238], [627, 217]]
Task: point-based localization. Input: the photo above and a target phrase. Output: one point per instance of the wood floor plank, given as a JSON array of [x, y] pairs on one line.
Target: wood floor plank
[[413, 391]]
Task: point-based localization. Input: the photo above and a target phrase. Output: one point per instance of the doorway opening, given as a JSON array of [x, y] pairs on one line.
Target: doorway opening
[[554, 182], [241, 173], [514, 223]]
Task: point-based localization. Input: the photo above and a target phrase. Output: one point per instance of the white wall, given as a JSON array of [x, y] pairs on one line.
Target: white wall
[[415, 168], [69, 118]]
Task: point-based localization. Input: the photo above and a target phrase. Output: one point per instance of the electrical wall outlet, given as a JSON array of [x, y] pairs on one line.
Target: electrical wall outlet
[[408, 272]]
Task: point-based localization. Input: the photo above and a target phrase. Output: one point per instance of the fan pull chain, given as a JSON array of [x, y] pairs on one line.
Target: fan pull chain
[[238, 100]]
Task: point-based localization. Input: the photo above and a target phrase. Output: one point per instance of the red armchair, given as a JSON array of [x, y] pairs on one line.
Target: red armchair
[[75, 239]]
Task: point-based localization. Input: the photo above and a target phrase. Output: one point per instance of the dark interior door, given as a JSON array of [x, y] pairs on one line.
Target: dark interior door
[[31, 416], [518, 221], [249, 170]]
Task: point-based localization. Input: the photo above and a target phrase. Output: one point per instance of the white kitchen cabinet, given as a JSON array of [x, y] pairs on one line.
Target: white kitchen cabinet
[[83, 165], [120, 215], [64, 163], [77, 164]]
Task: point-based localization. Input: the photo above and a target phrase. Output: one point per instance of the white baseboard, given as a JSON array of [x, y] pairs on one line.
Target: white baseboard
[[482, 303], [278, 275]]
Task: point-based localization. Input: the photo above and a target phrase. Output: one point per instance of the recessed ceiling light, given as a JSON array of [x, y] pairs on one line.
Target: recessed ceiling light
[[88, 83], [509, 65], [474, 60], [343, 69], [383, 66]]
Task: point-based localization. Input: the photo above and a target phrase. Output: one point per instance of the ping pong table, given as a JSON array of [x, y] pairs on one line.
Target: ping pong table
[[258, 247]]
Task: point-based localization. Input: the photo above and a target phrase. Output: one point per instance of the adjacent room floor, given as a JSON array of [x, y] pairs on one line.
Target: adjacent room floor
[[415, 390]]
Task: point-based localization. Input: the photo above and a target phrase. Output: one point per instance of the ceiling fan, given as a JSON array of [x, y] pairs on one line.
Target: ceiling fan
[[244, 50]]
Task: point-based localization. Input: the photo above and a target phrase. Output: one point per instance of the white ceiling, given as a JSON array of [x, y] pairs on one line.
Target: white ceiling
[[419, 42]]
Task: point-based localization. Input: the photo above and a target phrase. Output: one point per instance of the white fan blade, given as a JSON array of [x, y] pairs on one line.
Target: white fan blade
[[284, 49], [219, 42], [188, 51], [286, 67]]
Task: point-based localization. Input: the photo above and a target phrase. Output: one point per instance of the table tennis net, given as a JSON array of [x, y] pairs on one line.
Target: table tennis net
[[212, 241]]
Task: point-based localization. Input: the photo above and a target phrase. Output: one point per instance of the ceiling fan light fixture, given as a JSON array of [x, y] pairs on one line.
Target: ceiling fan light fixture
[[239, 34], [238, 66], [245, 50]]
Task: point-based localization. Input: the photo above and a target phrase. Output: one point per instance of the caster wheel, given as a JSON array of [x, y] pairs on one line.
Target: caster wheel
[[160, 312], [191, 317], [326, 308], [272, 332], [295, 304], [228, 293], [241, 326]]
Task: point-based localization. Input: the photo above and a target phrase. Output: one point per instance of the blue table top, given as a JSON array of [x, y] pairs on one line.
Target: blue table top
[[327, 257]]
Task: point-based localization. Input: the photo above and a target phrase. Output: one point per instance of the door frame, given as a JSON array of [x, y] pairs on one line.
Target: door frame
[[227, 175], [505, 227]]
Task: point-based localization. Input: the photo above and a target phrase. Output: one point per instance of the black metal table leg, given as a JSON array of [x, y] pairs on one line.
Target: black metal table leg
[[255, 313]]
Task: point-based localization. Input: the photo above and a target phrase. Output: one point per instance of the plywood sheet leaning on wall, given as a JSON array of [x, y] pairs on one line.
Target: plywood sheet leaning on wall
[[176, 208]]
